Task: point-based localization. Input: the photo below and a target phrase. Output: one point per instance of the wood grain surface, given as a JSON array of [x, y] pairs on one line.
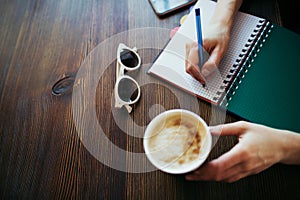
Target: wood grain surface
[[43, 46]]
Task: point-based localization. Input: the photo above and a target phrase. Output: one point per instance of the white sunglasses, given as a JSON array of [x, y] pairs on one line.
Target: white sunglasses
[[127, 90]]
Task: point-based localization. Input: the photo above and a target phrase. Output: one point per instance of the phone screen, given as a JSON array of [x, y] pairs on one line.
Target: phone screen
[[162, 7]]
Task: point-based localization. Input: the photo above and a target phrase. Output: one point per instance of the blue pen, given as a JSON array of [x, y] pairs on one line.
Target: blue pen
[[199, 37]]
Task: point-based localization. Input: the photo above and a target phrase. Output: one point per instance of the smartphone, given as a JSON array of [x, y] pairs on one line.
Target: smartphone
[[165, 7]]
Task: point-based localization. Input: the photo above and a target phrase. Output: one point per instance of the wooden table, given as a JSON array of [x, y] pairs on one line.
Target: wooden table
[[49, 46]]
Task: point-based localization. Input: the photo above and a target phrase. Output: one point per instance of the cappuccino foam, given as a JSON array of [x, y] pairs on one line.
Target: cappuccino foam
[[177, 140]]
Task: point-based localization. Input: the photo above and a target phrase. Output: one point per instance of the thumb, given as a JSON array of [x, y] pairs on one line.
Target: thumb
[[236, 128], [213, 61]]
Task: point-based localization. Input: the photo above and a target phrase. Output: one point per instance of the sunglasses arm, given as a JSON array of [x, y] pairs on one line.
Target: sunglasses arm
[[119, 105], [128, 108], [119, 70]]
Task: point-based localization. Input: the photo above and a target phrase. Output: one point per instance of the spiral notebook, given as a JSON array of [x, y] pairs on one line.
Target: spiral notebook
[[258, 76]]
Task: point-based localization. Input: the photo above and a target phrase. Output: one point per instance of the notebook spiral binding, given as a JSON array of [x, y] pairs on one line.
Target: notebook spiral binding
[[243, 62]]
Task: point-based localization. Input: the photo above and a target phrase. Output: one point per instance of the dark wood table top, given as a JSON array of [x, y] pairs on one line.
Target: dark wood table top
[[61, 142]]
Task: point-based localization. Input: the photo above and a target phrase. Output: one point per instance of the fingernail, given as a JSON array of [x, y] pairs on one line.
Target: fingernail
[[205, 72]]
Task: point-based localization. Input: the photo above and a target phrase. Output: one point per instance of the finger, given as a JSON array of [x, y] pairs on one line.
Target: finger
[[193, 57], [238, 171], [235, 128], [235, 164], [212, 63], [226, 161], [208, 68], [242, 172], [192, 61], [208, 45], [244, 166], [212, 74], [216, 55], [236, 177], [204, 173], [187, 52], [195, 72], [212, 172], [194, 177], [229, 175]]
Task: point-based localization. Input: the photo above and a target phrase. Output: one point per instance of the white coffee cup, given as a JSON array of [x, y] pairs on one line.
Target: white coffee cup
[[177, 141]]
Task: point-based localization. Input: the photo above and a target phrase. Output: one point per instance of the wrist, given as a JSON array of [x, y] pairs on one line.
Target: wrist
[[291, 148], [225, 12]]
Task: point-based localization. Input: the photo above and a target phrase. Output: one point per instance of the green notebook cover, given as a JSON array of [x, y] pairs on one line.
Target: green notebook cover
[[269, 93]]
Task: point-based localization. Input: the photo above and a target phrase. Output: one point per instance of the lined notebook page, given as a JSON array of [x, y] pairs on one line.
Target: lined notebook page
[[170, 64]]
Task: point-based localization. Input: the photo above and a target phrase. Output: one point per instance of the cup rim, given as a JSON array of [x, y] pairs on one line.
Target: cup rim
[[194, 165]]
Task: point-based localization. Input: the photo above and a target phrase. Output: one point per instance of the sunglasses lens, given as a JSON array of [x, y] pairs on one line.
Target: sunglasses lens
[[129, 58], [127, 90]]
